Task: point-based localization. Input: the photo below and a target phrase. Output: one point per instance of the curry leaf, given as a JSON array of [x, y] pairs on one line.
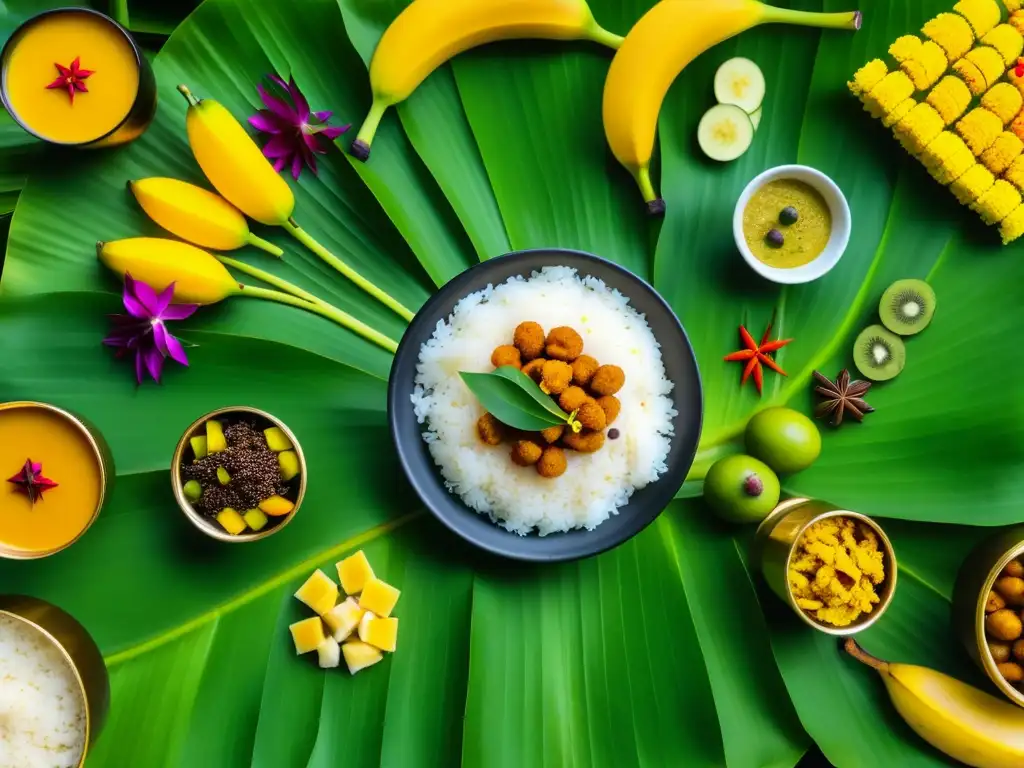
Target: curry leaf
[[513, 398]]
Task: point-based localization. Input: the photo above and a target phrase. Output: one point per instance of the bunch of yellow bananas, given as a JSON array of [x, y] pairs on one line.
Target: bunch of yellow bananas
[[673, 33]]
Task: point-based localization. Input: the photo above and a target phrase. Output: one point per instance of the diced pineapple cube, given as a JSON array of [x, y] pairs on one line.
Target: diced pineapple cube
[[288, 463], [231, 521], [198, 446], [360, 655], [215, 440], [343, 618], [378, 597], [193, 490], [223, 477], [328, 653], [353, 573], [255, 519], [277, 440], [276, 506], [307, 634], [319, 592], [378, 632]]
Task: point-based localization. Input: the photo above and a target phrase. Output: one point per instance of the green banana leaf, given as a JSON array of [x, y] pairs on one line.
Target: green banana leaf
[[665, 651]]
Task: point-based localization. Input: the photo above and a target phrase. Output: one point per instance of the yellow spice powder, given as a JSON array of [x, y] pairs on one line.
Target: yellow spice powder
[[834, 571]]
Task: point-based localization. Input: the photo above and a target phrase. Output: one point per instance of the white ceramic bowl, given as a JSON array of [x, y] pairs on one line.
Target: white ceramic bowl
[[837, 242]]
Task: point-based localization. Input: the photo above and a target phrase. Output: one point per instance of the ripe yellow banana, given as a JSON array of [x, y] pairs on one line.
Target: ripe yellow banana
[[967, 724], [429, 32], [196, 215], [668, 37], [198, 277], [234, 164]]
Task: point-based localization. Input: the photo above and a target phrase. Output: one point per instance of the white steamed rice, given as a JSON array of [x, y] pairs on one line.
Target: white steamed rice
[[42, 711], [594, 485]]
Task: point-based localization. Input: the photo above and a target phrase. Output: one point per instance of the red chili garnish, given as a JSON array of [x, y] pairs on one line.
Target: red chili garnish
[[72, 78], [31, 482], [757, 354], [1019, 69]]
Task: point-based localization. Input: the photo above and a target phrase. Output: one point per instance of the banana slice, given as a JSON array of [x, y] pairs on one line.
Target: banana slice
[[725, 132], [739, 81], [755, 117]]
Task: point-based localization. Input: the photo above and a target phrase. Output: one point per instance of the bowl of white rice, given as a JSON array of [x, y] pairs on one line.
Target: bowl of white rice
[[54, 687], [603, 498]]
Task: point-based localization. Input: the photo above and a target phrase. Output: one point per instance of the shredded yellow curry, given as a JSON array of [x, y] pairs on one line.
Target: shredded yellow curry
[[834, 571]]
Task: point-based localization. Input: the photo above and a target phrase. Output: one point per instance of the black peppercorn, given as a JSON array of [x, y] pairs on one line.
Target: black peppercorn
[[613, 434], [774, 238], [788, 215]]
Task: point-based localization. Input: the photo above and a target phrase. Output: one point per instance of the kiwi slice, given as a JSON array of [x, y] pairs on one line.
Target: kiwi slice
[[907, 307], [878, 354]]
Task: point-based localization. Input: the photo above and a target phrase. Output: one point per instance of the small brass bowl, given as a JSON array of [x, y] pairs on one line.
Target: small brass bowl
[[202, 522], [77, 647], [973, 583], [776, 540]]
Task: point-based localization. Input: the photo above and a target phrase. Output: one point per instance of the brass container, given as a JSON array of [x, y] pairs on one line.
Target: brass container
[[104, 459], [210, 527], [776, 540], [143, 108], [973, 583], [77, 647]]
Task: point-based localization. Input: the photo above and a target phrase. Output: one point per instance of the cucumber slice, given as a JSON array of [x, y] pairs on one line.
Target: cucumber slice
[[725, 132], [739, 81], [755, 117]]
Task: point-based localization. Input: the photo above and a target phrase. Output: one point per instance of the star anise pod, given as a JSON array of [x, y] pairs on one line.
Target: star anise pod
[[841, 396]]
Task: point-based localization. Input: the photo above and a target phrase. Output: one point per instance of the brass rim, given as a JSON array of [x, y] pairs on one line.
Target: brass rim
[[890, 582], [98, 451], [209, 527], [979, 627], [74, 669]]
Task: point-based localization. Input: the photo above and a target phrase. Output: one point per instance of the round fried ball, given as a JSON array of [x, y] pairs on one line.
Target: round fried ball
[[1000, 651], [525, 453], [591, 416], [1018, 650], [583, 368], [529, 340], [552, 434], [611, 406], [1014, 568], [1011, 671], [1012, 589], [555, 377], [491, 430], [994, 602], [506, 354], [572, 398], [534, 368], [583, 442], [552, 462], [563, 343], [1002, 625], [608, 379]]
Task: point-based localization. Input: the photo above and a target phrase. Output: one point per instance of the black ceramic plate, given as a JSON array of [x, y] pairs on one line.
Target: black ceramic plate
[[645, 504]]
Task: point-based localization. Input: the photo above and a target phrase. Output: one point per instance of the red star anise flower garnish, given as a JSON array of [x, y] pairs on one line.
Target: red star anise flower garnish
[[757, 354], [841, 396], [72, 78], [31, 482]]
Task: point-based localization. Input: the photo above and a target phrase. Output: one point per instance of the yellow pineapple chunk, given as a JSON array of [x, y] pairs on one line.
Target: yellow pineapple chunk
[[215, 440], [307, 634], [255, 519], [319, 592], [277, 440], [353, 573], [288, 463], [378, 632], [359, 655], [276, 506], [378, 597], [328, 653], [231, 521], [343, 618]]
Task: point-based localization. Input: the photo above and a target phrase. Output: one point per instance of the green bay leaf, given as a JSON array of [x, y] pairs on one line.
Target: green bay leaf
[[510, 399]]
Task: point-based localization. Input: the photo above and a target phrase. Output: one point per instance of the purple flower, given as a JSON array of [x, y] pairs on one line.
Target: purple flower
[[143, 331], [294, 130]]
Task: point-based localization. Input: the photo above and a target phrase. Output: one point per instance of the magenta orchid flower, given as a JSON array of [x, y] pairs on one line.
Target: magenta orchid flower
[[143, 331], [294, 130]]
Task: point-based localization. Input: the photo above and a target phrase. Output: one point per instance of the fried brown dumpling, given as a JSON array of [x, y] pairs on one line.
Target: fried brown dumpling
[[572, 398], [533, 368], [491, 431], [526, 452], [583, 368], [591, 416], [608, 379], [555, 377], [552, 462], [611, 406], [583, 442], [563, 343], [504, 355], [552, 434], [529, 340]]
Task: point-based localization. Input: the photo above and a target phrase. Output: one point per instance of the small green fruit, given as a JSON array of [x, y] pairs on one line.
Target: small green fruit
[[784, 439], [193, 490], [741, 489], [222, 476], [198, 446], [288, 462], [215, 440]]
